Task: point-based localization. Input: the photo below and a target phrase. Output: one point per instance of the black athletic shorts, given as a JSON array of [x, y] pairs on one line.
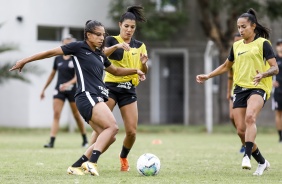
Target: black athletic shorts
[[241, 96], [122, 93], [63, 95], [85, 102], [277, 101]]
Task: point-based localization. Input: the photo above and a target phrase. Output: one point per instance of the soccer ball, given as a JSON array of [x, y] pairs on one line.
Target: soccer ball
[[148, 164]]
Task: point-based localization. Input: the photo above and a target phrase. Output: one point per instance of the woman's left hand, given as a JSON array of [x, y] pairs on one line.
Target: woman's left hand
[[143, 58], [18, 66], [141, 75], [257, 78]]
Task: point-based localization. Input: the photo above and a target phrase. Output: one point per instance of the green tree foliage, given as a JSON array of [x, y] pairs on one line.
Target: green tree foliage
[[159, 22], [5, 75]]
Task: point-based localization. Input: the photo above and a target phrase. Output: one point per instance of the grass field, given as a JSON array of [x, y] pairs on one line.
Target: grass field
[[187, 154]]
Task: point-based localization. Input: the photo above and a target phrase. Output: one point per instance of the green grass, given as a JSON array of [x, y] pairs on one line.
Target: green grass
[[187, 154]]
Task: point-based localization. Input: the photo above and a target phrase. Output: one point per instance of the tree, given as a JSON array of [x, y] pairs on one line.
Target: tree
[[219, 23], [5, 75], [160, 16]]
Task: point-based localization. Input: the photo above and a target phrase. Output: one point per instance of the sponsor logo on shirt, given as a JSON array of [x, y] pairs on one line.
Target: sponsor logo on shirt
[[88, 53], [125, 85], [70, 64], [60, 64], [240, 53], [102, 59]]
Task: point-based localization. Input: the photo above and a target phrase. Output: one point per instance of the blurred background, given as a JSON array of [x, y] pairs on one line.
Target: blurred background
[[183, 38]]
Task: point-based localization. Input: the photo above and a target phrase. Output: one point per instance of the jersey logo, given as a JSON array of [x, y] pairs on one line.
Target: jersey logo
[[134, 53], [88, 53], [102, 59], [60, 64], [240, 53]]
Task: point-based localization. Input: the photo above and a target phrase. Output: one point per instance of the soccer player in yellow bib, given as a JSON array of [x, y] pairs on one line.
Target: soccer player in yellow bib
[[126, 52], [254, 65]]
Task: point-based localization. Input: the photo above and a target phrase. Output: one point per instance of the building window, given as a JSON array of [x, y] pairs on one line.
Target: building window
[[77, 33], [49, 33]]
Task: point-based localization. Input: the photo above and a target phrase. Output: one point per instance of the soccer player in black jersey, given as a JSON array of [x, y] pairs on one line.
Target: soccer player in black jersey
[[254, 65], [230, 88], [64, 89], [91, 92], [277, 94], [125, 51]]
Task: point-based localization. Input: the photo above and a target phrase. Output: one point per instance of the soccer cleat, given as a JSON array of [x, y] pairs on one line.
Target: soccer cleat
[[246, 163], [75, 171], [261, 168], [49, 145], [124, 164], [85, 144], [90, 167], [242, 150]]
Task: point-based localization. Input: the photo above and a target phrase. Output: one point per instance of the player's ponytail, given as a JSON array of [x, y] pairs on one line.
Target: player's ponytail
[[260, 30], [134, 13]]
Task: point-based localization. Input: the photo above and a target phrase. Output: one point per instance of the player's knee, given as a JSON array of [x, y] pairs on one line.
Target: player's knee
[[131, 133], [241, 132], [57, 115], [250, 118], [114, 129]]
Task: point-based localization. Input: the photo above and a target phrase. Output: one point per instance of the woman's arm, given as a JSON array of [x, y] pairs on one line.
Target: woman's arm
[[109, 50], [219, 70], [49, 80], [273, 70], [123, 71], [229, 84], [144, 59], [42, 55], [66, 85]]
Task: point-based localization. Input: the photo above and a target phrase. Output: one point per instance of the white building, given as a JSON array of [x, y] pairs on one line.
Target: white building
[[25, 24]]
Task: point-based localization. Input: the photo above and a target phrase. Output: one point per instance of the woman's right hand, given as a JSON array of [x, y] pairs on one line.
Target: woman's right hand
[[202, 78], [124, 46], [18, 66], [42, 95], [275, 84]]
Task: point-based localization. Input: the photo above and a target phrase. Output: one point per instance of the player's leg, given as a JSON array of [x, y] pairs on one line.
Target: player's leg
[[278, 122], [239, 117], [130, 117], [58, 105], [104, 123], [79, 123], [255, 104], [232, 119]]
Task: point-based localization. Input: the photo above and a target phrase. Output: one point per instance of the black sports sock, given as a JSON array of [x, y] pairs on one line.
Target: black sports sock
[[52, 140], [248, 150], [280, 135], [80, 161], [84, 138], [124, 152], [258, 156], [95, 156]]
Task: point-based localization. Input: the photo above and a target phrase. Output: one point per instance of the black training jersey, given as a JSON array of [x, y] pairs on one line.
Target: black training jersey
[[65, 70], [89, 67], [279, 75]]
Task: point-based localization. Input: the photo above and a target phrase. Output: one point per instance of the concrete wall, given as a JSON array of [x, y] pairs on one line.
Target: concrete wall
[[20, 105]]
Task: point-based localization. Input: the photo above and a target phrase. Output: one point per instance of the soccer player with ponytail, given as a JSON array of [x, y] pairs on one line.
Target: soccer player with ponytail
[[254, 65], [126, 52], [91, 93]]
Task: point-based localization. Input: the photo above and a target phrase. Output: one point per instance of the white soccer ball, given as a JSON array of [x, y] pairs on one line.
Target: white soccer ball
[[148, 164]]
